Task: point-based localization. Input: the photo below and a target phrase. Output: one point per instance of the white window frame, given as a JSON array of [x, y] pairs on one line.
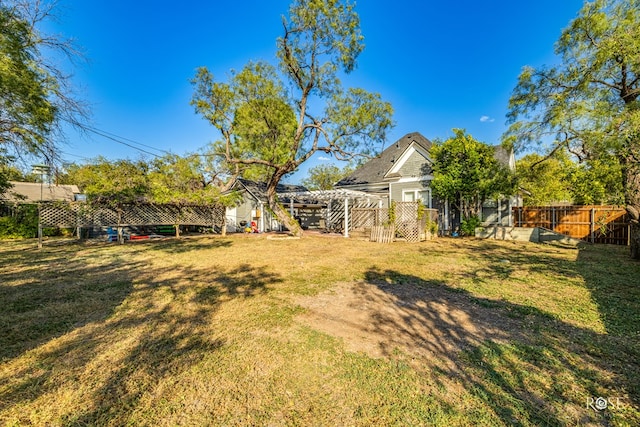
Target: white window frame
[[416, 193]]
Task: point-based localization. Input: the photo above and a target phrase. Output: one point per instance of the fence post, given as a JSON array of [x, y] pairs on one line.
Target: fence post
[[520, 208], [593, 224], [39, 225]]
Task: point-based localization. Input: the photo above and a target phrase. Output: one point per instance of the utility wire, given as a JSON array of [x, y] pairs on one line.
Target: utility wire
[[121, 140]]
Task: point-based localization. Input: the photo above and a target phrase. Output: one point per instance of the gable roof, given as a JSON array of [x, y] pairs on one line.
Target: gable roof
[[377, 168], [32, 192]]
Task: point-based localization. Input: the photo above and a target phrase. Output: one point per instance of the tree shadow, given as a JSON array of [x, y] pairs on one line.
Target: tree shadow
[[149, 325], [183, 245], [48, 293], [609, 276], [527, 366]]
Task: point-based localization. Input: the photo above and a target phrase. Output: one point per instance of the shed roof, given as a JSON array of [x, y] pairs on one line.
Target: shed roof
[[34, 192], [259, 189]]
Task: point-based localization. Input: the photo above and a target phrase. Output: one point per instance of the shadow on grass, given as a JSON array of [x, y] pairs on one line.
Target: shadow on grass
[[185, 244], [527, 366], [48, 293], [115, 331], [608, 273]]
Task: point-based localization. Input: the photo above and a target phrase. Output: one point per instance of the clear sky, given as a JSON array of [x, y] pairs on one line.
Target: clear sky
[[441, 64]]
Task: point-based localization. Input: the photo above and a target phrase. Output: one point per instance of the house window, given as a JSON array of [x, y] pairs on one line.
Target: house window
[[423, 196], [409, 196]]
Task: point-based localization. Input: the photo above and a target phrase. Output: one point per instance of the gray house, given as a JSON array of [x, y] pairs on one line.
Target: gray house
[[403, 173]]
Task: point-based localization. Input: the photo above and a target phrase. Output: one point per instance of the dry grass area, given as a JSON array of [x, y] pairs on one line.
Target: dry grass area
[[244, 330]]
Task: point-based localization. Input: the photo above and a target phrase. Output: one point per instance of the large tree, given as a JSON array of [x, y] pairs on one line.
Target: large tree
[[181, 180], [546, 180], [324, 177], [588, 104], [111, 182], [467, 172], [271, 122], [36, 95]]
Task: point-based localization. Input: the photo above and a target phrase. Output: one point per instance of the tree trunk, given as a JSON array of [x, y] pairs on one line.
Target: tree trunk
[[280, 212], [223, 229], [631, 178], [635, 239]]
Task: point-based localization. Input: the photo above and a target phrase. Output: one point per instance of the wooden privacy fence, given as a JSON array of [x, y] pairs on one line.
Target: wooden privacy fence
[[595, 224], [404, 219]]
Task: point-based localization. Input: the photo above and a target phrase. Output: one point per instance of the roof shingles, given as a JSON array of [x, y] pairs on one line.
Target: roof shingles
[[375, 169]]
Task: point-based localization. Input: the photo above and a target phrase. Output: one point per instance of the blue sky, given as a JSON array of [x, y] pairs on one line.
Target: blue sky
[[442, 65]]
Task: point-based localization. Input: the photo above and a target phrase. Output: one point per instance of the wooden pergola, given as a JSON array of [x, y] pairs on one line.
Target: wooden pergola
[[347, 197]]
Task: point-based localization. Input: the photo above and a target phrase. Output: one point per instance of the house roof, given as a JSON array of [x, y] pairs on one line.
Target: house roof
[[34, 192], [377, 168], [504, 156], [259, 189]]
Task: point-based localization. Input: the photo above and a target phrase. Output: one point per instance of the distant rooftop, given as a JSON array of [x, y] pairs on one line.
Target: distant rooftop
[[34, 192]]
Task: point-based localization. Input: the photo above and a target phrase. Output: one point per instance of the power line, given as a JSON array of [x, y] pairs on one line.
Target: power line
[[75, 155], [121, 140]]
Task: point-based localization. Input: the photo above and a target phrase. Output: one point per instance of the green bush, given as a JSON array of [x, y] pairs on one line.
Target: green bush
[[468, 226], [23, 223]]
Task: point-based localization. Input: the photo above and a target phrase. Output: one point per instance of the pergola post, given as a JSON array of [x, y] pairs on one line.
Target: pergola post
[[329, 196], [346, 217], [261, 207]]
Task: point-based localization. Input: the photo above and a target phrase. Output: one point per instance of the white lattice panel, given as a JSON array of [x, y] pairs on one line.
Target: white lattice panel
[[69, 215]]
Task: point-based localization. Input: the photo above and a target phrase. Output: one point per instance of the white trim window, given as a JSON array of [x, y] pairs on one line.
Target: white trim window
[[422, 195]]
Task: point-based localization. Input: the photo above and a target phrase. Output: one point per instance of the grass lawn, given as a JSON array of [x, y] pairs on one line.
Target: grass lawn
[[243, 330]]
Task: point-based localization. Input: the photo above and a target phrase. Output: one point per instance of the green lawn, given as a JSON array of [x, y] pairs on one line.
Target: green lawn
[[244, 330]]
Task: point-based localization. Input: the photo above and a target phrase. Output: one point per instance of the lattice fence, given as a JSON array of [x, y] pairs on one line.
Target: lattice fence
[[336, 213], [71, 215], [365, 218], [408, 223]]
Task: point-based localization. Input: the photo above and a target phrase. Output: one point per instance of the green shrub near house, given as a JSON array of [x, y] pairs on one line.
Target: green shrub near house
[[22, 223]]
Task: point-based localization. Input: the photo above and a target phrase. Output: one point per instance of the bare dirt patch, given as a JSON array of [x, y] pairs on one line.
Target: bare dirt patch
[[429, 322]]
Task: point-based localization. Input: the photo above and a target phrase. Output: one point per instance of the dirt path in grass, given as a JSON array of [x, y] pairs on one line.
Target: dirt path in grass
[[430, 322]]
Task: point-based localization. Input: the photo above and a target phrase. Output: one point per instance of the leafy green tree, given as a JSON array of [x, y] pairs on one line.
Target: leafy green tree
[[548, 180], [466, 172], [597, 182], [270, 122], [589, 103], [323, 177], [35, 94], [176, 179], [8, 172], [544, 181], [112, 182]]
